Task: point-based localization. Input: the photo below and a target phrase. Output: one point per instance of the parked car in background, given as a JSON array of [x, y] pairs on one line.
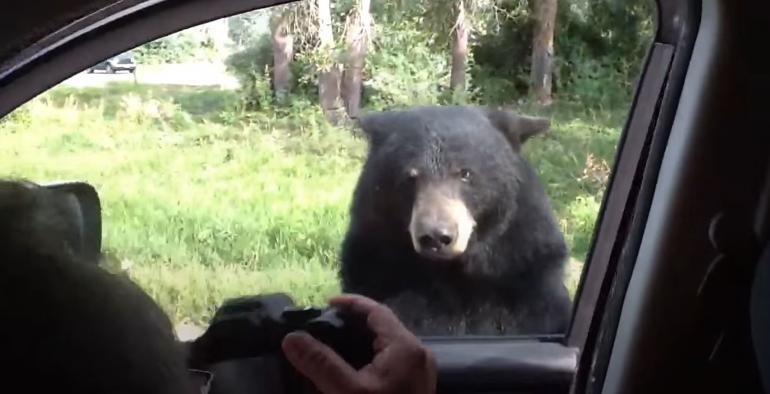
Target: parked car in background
[[123, 62]]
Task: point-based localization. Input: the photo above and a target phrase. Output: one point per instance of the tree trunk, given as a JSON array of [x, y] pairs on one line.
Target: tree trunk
[[357, 40], [329, 75], [329, 94], [283, 52], [542, 51], [459, 49]]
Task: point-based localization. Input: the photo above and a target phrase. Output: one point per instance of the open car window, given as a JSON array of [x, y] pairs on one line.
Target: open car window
[[296, 148]]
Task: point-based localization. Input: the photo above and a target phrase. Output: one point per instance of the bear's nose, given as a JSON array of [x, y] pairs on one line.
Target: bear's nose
[[437, 238]]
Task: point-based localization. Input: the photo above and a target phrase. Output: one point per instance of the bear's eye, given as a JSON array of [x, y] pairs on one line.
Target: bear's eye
[[465, 175], [412, 174]]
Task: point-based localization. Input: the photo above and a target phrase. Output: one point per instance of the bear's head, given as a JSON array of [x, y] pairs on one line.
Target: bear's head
[[448, 176]]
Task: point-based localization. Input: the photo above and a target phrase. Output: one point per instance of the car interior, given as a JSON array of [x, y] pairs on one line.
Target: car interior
[[675, 294]]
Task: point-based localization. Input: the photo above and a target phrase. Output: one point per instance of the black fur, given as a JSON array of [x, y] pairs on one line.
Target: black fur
[[510, 278]]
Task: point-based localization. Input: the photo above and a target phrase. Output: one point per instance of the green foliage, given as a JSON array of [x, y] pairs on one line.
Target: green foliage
[[403, 69], [573, 161], [18, 118], [588, 80], [253, 68], [503, 56], [244, 29], [487, 87], [304, 74], [201, 203], [598, 46], [175, 48], [579, 222], [116, 99], [601, 44]]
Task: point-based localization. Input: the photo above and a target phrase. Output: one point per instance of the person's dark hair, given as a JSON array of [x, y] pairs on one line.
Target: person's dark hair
[[68, 326], [32, 217]]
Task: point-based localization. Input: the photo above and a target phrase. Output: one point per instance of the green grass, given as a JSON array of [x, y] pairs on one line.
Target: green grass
[[202, 203]]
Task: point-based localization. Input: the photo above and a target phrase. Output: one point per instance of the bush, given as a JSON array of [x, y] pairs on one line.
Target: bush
[[402, 69], [253, 68], [503, 57], [244, 29], [489, 88], [597, 83], [598, 47]]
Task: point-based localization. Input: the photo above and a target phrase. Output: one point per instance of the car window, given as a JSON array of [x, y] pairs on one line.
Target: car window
[[446, 158]]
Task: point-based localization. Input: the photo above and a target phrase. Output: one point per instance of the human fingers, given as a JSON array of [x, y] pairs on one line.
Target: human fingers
[[380, 319], [319, 363], [402, 363], [355, 302]]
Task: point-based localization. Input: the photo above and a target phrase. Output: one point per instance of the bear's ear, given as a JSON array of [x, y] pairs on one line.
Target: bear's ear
[[375, 127], [517, 128]]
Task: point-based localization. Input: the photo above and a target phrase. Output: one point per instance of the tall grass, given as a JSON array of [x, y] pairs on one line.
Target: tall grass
[[201, 203]]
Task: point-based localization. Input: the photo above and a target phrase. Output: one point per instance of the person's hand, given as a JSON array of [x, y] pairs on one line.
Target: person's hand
[[401, 363]]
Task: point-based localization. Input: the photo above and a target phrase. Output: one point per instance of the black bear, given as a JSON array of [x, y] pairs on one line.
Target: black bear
[[451, 227]]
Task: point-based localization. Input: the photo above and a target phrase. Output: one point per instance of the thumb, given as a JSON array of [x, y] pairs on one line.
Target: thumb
[[319, 363]]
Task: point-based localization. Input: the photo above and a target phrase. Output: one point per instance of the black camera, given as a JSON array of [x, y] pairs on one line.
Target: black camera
[[254, 327]]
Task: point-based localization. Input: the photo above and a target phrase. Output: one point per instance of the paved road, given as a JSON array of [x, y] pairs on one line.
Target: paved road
[[196, 74]]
